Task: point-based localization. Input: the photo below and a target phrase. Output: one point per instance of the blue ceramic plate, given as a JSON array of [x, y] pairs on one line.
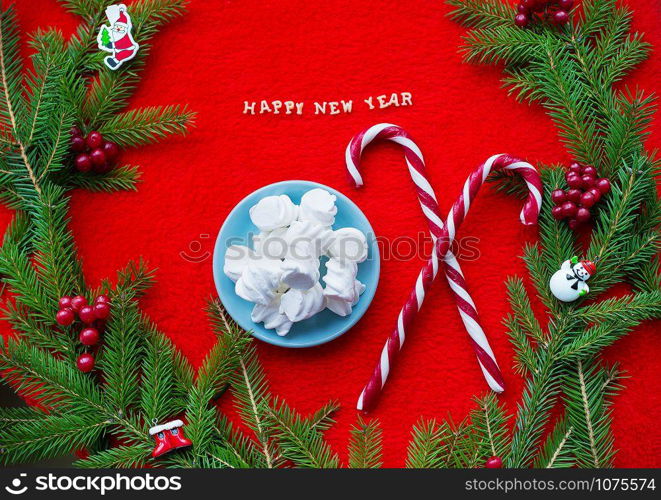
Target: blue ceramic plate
[[324, 326]]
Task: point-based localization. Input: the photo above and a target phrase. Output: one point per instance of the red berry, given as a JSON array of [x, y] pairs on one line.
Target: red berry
[[75, 132], [98, 158], [78, 144], [65, 302], [561, 17], [569, 209], [596, 193], [494, 463], [566, 4], [102, 311], [582, 215], [65, 317], [587, 181], [529, 4], [603, 185], [89, 336], [573, 224], [589, 170], [574, 195], [94, 140], [111, 150], [87, 315], [77, 302], [521, 20], [574, 181], [587, 199], [557, 213], [102, 299], [558, 196], [575, 167], [83, 163], [85, 362]]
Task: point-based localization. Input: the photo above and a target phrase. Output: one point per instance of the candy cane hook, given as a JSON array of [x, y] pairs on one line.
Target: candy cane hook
[[443, 237]]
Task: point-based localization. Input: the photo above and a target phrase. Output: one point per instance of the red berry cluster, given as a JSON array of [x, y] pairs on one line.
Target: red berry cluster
[[557, 11], [93, 152], [92, 316], [585, 189]]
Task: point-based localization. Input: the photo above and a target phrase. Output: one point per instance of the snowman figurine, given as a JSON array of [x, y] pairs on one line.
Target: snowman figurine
[[569, 283]]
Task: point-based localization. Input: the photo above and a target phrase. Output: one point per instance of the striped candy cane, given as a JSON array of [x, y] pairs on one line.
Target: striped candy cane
[[443, 237]]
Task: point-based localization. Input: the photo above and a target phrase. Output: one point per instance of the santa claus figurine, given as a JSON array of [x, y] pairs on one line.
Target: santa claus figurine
[[569, 283], [169, 437], [117, 38]]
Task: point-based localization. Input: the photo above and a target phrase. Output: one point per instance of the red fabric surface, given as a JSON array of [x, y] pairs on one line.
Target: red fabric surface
[[225, 52]]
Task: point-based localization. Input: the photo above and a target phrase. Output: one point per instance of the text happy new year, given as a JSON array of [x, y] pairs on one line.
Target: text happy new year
[[278, 107]]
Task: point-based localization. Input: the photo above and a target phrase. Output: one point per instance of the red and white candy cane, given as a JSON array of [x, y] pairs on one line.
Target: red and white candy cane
[[443, 237]]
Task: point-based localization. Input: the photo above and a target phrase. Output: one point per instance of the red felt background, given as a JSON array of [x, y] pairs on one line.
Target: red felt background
[[227, 51]]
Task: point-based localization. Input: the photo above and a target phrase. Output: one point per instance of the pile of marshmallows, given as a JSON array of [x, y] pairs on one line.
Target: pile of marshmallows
[[281, 275]]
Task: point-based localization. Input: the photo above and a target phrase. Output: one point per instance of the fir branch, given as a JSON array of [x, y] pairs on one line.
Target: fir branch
[[586, 389], [162, 391], [252, 401], [58, 268], [39, 334], [537, 400], [489, 427], [135, 455], [481, 13], [365, 447], [297, 440], [122, 353], [84, 8], [557, 451], [523, 313], [11, 101], [322, 419], [124, 178], [135, 279], [50, 436], [443, 445], [36, 374], [144, 126]]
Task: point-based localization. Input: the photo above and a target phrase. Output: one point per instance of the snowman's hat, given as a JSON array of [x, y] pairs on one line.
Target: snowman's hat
[[589, 266]]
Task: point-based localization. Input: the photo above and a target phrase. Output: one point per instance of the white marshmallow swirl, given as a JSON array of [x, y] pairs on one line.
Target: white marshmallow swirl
[[339, 279], [259, 281], [345, 307], [348, 243], [318, 205], [272, 317], [300, 305], [237, 257], [273, 212]]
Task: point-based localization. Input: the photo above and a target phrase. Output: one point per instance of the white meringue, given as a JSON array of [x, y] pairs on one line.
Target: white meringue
[[300, 305], [311, 232], [301, 273], [345, 307], [318, 205], [348, 243], [271, 244], [272, 317], [259, 281], [339, 279], [237, 257], [273, 212]]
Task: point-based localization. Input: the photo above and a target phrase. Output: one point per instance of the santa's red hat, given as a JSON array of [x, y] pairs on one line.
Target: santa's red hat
[[122, 19], [589, 266]]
